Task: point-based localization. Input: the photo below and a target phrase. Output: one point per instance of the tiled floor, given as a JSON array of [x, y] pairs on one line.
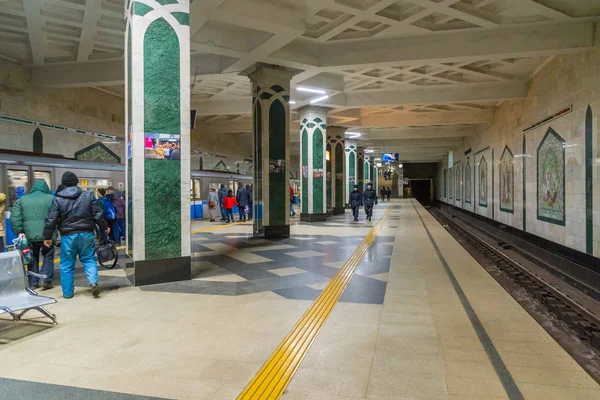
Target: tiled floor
[[400, 330]]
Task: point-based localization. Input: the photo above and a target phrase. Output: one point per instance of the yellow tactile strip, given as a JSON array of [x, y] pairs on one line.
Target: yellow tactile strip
[[275, 375]]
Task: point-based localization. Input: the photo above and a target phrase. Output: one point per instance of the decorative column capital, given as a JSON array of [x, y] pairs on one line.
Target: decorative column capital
[[312, 108], [260, 71]]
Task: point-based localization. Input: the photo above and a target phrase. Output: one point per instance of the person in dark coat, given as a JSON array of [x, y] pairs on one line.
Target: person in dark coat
[[355, 201], [242, 200], [382, 193], [75, 213], [222, 194], [388, 193], [369, 200], [249, 189]]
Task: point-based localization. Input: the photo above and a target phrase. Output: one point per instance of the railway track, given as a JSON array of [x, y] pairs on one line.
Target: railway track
[[575, 312]]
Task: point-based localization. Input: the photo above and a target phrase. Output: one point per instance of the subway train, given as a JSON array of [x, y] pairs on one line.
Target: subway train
[[17, 173]]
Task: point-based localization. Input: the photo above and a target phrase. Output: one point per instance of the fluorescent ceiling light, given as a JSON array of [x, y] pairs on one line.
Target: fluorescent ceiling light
[[292, 102], [352, 135], [399, 165], [379, 164], [318, 99], [305, 89], [369, 151]]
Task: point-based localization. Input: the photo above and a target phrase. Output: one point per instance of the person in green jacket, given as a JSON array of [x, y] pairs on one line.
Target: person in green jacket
[[28, 218]]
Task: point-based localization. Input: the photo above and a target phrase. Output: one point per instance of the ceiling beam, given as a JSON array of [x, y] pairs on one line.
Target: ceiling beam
[[516, 41], [410, 143], [110, 72], [88, 31], [428, 118], [34, 27], [400, 133]]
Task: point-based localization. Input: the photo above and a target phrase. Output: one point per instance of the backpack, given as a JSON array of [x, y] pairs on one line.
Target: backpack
[[109, 209]]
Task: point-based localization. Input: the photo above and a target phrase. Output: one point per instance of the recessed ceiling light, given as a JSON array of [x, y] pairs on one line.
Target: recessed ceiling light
[[318, 99], [379, 164], [292, 102], [369, 151], [352, 135], [310, 90]]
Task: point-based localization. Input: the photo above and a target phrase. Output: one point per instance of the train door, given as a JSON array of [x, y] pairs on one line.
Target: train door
[[196, 199]]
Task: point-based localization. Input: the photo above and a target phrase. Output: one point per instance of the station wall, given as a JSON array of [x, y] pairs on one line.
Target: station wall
[[83, 108], [559, 161]]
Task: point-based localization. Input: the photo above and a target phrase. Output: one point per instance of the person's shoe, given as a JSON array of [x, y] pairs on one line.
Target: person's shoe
[[47, 285], [294, 214], [356, 219], [95, 290]]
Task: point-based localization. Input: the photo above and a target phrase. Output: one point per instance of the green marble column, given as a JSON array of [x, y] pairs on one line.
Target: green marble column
[[314, 164], [157, 100], [271, 116], [336, 141], [351, 173]]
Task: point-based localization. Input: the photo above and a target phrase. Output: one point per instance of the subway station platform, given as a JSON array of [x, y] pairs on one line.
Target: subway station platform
[[419, 319]]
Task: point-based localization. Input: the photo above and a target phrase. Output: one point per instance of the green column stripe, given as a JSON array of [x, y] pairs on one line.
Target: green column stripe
[[278, 209], [329, 176], [304, 171], [258, 220], [162, 114], [318, 157], [339, 176], [589, 187], [182, 17]]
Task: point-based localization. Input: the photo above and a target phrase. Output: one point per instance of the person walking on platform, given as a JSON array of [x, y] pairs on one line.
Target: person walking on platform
[[355, 201], [110, 214], [249, 189], [2, 221], [118, 227], [369, 200], [229, 202], [27, 219], [222, 195], [292, 198], [75, 213], [242, 201], [382, 193], [212, 201], [388, 193]]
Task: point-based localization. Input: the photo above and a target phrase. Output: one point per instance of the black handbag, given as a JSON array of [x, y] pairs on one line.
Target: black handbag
[[106, 251]]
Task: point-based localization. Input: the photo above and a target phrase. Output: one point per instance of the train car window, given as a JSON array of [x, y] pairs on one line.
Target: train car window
[[18, 183], [92, 184], [43, 175]]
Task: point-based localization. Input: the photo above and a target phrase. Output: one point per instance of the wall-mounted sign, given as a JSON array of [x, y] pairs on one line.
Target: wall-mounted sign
[[550, 118]]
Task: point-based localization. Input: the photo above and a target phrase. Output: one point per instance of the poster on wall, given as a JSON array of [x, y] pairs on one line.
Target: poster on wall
[[317, 173], [277, 166], [507, 178], [551, 178], [483, 182], [305, 171], [457, 186], [162, 146]]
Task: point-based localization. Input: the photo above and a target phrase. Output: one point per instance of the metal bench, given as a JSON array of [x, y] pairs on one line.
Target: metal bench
[[16, 298]]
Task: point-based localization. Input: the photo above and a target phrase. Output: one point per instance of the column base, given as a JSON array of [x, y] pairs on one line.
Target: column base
[[313, 217], [277, 232], [339, 211], [150, 272]]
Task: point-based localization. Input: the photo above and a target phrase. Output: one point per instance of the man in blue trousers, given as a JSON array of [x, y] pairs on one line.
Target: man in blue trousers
[[75, 212]]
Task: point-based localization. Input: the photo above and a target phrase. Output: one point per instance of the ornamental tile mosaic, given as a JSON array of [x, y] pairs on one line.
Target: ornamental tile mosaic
[[551, 178], [457, 182], [483, 182], [468, 189], [507, 181]]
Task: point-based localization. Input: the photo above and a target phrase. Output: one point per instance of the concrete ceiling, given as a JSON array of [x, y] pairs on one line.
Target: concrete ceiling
[[412, 76]]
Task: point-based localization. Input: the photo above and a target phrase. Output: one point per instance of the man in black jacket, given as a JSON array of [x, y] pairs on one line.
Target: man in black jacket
[[355, 201], [369, 200], [222, 195], [75, 212]]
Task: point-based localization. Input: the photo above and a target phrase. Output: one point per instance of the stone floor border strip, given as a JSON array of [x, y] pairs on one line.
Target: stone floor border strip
[[510, 387]]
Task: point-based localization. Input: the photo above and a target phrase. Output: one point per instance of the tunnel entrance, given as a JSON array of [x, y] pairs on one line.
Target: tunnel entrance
[[420, 189]]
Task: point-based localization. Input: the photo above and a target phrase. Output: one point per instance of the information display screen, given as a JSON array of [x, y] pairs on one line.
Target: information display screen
[[387, 157]]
